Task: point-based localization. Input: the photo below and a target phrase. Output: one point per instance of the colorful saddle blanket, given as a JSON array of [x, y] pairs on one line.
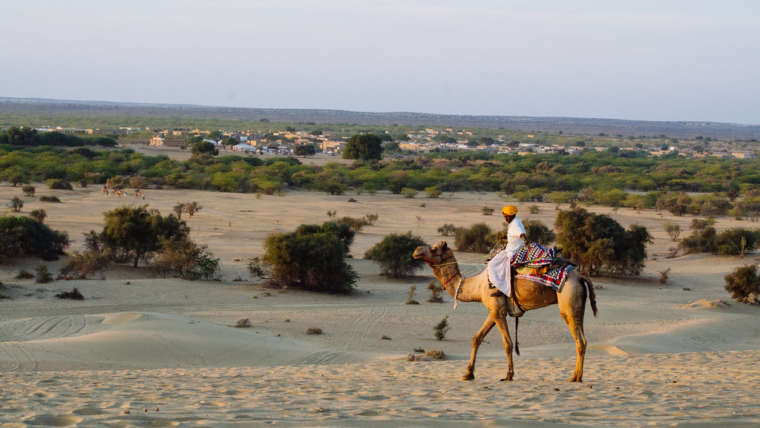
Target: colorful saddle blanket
[[537, 264], [533, 255]]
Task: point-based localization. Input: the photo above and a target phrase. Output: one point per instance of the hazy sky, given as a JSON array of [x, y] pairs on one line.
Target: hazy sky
[[661, 60]]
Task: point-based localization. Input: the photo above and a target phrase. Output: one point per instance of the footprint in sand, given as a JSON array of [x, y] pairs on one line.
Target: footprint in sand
[[53, 420], [42, 394]]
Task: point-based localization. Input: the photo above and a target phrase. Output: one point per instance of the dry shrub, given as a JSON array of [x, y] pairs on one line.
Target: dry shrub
[[42, 275], [81, 265], [410, 300], [442, 328], [371, 218], [435, 354], [664, 277], [436, 289], [314, 330], [256, 267], [355, 224], [243, 323], [73, 295], [22, 274]]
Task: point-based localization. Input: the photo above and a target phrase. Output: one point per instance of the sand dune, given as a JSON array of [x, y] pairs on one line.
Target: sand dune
[[142, 340], [139, 343]]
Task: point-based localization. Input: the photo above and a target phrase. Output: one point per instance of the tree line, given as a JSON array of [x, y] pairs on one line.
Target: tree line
[[726, 186], [22, 136]]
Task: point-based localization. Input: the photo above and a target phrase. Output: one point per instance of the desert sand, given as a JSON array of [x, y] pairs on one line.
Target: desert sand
[[147, 351]]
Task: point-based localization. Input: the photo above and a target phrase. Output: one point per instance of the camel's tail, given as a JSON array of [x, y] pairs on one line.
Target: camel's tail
[[591, 294]]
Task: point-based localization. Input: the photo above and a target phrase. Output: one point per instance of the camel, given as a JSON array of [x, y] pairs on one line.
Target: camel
[[571, 301]]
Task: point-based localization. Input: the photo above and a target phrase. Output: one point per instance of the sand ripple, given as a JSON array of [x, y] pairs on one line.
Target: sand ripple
[[623, 390]]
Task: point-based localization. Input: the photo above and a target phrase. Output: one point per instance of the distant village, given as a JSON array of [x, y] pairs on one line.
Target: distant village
[[285, 142]]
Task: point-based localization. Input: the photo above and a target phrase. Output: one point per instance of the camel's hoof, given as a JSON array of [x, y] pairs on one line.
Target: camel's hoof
[[468, 376], [506, 379], [574, 379]]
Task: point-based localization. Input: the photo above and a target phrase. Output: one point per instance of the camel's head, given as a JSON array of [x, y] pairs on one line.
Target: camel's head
[[433, 255]]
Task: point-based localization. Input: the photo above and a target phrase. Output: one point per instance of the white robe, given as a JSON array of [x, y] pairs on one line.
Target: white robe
[[499, 268]]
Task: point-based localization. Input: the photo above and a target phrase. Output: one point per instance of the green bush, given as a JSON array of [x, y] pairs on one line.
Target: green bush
[[408, 192], [474, 239], [744, 284], [536, 231], [24, 237], [735, 242], [59, 183], [50, 199], [699, 224], [447, 229], [353, 223], [701, 240], [598, 243], [433, 192], [136, 233], [17, 204], [673, 231], [305, 149], [561, 197], [28, 190], [312, 258], [676, 203], [363, 147], [343, 231], [42, 275], [183, 258], [38, 215], [204, 148], [394, 254]]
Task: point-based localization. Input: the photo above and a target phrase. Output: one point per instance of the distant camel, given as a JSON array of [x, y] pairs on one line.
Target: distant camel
[[571, 300]]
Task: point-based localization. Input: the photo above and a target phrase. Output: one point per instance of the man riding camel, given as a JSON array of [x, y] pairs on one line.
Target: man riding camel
[[499, 268]]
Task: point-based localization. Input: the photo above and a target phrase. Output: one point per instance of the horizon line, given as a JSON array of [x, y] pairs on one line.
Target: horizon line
[[503, 116]]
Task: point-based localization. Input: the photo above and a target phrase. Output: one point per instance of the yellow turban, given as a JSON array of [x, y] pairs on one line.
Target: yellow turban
[[509, 210]]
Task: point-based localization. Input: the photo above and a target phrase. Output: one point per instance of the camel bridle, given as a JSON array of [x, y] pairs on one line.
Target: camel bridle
[[445, 262]]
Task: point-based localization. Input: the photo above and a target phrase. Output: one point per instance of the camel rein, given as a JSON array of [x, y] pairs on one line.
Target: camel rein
[[459, 284]]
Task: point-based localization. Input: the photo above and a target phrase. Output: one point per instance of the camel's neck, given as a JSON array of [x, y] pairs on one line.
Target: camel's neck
[[450, 276]]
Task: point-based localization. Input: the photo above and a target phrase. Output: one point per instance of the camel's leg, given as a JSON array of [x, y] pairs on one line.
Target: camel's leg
[[575, 324], [476, 341], [501, 322]]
